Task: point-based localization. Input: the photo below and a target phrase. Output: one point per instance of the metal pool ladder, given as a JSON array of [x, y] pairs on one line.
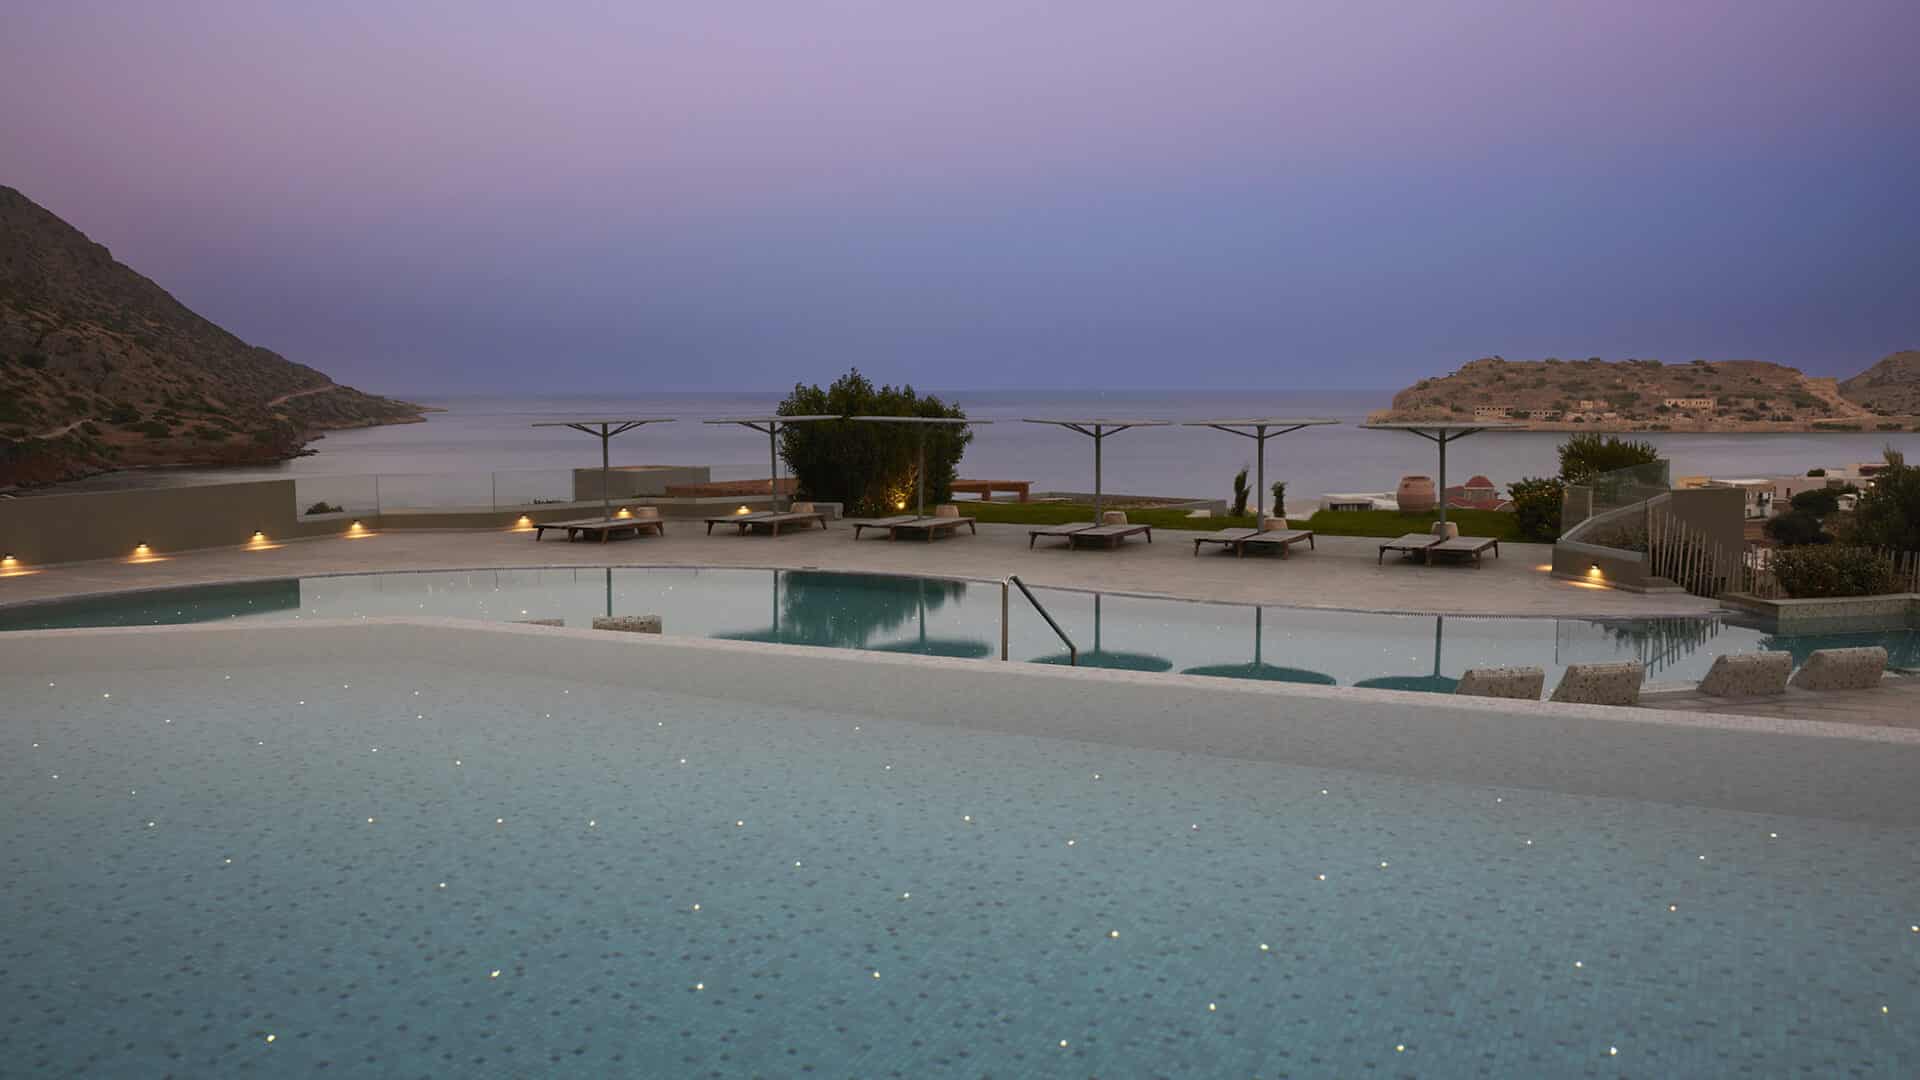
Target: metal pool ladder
[[1073, 651]]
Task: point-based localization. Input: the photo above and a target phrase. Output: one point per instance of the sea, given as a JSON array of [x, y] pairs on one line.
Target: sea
[[478, 449]]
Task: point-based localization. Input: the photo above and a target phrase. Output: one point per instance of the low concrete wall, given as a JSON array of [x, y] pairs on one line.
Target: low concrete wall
[[108, 524], [1612, 567], [1886, 612], [1781, 766]]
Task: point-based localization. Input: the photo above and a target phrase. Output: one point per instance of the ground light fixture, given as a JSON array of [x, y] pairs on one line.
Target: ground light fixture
[[10, 566], [523, 524], [143, 553], [623, 512]]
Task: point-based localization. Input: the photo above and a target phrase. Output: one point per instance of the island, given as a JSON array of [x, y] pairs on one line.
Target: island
[[1648, 395]]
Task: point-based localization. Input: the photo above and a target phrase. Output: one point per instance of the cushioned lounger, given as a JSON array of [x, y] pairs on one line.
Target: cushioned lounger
[[1112, 534], [1278, 538], [1057, 530], [773, 522], [1409, 544], [1225, 537], [1465, 545], [886, 524], [932, 526]]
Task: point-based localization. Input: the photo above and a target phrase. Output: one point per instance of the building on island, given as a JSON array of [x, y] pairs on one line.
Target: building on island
[[1703, 403]]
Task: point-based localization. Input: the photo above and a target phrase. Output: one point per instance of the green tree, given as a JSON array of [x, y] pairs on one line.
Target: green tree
[[1279, 498], [870, 468], [1887, 515], [1586, 456], [1242, 491], [1536, 507]]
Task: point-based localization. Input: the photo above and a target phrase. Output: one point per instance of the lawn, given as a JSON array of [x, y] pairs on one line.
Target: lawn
[[1051, 513], [1390, 523]]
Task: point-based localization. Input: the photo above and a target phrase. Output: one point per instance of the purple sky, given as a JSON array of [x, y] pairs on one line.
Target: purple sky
[[622, 196]]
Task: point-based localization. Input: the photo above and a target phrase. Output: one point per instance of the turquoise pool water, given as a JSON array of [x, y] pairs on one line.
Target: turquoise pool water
[[396, 870], [962, 619]]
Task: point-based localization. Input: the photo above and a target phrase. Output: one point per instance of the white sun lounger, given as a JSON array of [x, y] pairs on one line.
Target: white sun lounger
[[1465, 545], [886, 523]]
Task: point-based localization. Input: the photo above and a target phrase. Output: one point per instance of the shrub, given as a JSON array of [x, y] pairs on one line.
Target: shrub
[[1887, 514], [1536, 505], [1817, 501], [1816, 472], [870, 467], [1832, 571], [325, 508], [1586, 456], [1797, 527], [1242, 491], [1279, 498], [154, 429]]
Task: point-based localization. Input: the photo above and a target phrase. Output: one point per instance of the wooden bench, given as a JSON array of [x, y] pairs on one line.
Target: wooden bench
[[986, 488]]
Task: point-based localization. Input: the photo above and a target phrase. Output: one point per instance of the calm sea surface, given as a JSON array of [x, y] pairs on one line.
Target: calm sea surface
[[484, 447]]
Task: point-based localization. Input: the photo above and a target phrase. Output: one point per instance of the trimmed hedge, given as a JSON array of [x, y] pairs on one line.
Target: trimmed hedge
[[1829, 570]]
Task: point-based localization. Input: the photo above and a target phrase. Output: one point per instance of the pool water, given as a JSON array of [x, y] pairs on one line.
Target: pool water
[[943, 617], [389, 870]]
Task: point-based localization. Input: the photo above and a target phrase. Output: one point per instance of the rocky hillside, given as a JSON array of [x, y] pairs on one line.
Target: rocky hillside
[[1642, 395], [100, 368], [1888, 388]]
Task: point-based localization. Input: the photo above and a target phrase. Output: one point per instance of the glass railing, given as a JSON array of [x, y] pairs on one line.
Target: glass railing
[[500, 489], [1613, 509]]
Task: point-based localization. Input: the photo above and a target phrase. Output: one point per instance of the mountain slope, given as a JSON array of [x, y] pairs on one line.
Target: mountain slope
[[1888, 388], [101, 368]]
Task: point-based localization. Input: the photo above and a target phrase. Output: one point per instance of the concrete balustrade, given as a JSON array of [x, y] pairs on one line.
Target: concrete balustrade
[[1524, 683], [1601, 684], [1842, 669], [1754, 674], [631, 624]]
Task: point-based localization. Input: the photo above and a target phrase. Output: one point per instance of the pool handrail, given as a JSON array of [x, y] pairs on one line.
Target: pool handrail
[[1073, 651]]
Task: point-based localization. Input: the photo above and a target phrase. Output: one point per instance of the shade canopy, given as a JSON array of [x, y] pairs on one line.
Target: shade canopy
[[1097, 429], [920, 464], [1260, 429], [1440, 433], [771, 426], [605, 430]]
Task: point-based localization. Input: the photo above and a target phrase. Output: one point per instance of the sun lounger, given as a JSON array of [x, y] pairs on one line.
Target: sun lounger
[[1277, 538], [1057, 530], [771, 521], [607, 528], [1408, 545], [738, 519], [1225, 537], [1465, 545], [886, 523], [932, 526], [1112, 534], [542, 526]]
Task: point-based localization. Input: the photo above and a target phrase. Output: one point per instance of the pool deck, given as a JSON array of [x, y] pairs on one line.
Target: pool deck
[[1342, 573]]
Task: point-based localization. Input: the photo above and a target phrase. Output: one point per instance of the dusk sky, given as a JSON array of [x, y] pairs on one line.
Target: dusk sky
[[478, 196]]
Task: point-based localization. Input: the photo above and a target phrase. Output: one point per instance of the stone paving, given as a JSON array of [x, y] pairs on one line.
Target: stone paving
[[1342, 573]]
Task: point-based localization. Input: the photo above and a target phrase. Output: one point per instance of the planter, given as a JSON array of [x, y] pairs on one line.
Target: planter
[[1416, 494]]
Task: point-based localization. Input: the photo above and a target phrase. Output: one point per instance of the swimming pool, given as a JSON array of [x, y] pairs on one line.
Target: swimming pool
[[284, 857], [958, 618]]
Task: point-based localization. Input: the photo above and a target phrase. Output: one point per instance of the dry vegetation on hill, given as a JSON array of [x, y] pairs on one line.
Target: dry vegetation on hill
[[1647, 395], [100, 368]]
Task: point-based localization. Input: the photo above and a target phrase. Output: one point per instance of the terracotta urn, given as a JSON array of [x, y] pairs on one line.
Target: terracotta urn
[[1416, 494]]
